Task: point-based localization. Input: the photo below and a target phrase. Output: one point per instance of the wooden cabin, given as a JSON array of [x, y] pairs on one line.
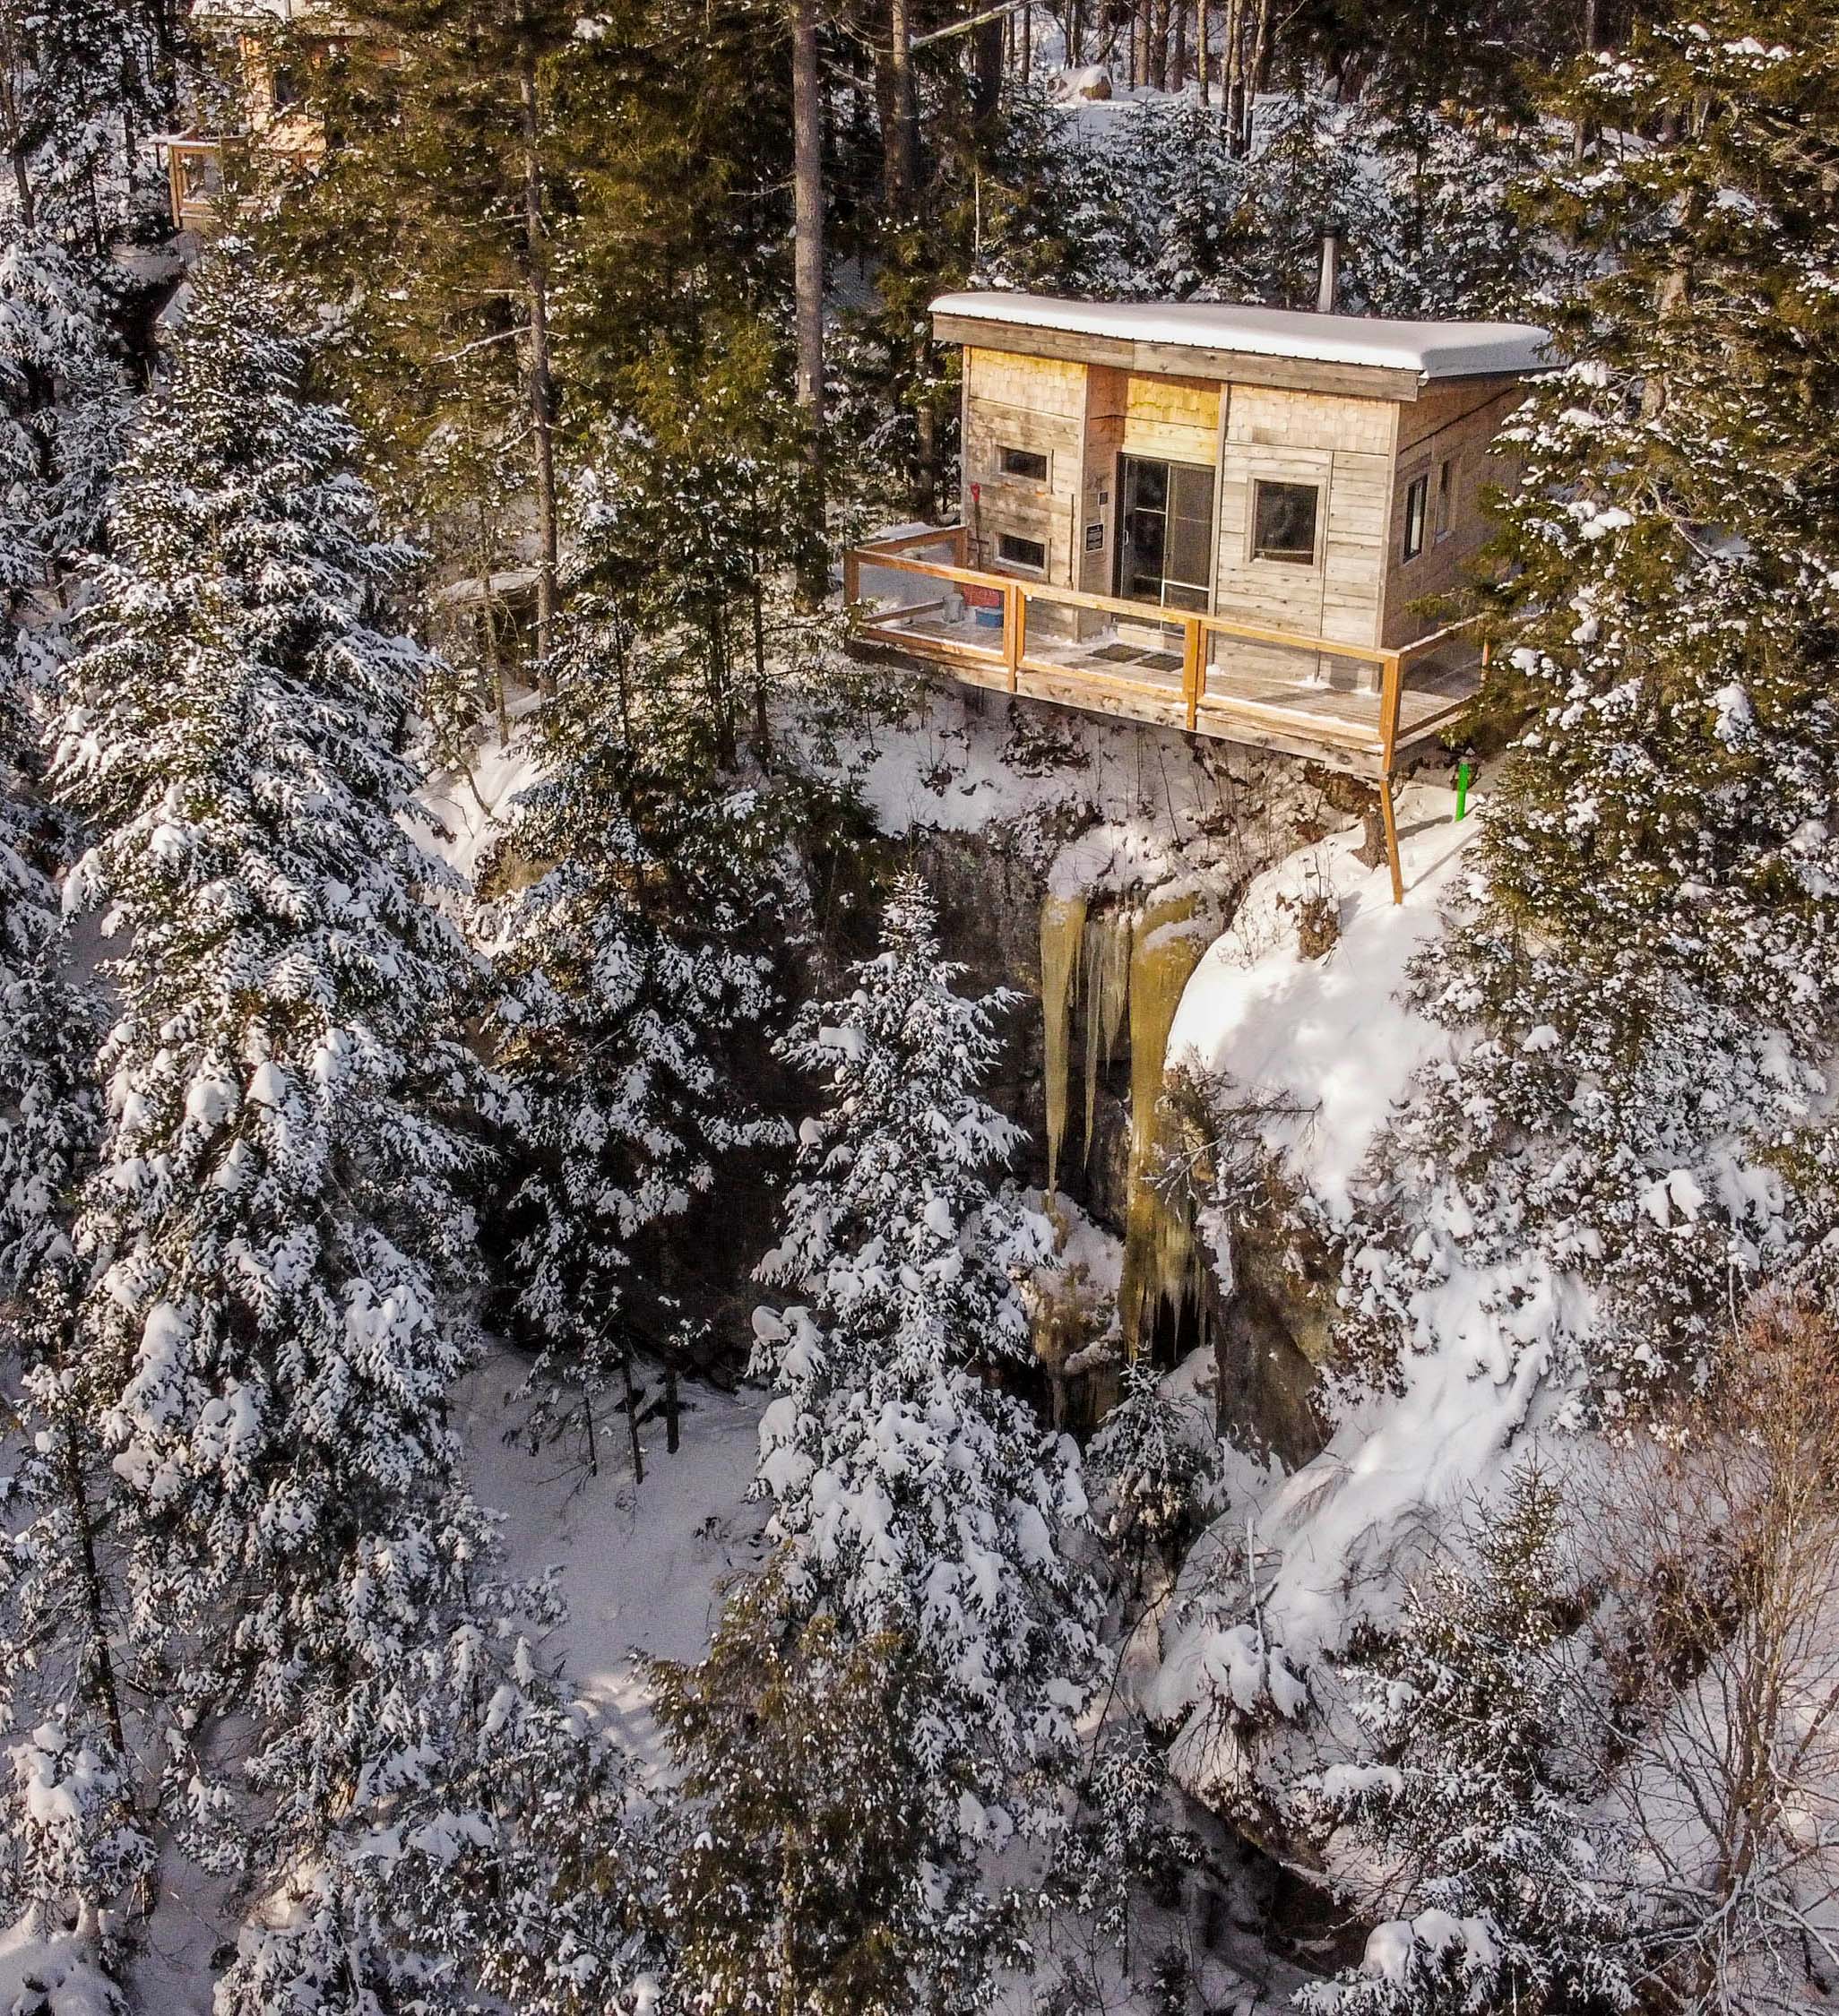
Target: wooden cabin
[[1222, 519], [265, 50]]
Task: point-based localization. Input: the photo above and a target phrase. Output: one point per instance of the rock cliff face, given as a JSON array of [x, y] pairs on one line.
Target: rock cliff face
[[1096, 917]]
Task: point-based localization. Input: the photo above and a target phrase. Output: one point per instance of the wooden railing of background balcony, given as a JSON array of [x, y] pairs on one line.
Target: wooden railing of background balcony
[[1370, 748]]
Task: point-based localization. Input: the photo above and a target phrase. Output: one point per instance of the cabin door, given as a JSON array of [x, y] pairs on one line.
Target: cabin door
[[1165, 532]]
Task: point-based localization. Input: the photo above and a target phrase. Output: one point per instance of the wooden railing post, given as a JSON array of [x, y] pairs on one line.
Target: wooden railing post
[[1193, 658], [1014, 623], [853, 577], [1391, 692]]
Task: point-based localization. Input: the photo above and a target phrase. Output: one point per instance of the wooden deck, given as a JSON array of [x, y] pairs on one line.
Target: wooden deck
[[1348, 706]]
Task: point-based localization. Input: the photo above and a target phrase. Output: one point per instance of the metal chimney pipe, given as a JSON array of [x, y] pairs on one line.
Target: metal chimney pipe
[[1329, 285]]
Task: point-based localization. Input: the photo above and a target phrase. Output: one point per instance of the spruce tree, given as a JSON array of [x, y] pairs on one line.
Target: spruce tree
[[1479, 1803], [911, 1493], [1643, 969], [628, 971], [805, 1865], [275, 1238]]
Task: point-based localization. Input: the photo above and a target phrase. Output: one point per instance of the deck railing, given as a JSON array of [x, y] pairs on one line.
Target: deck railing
[[1374, 723]]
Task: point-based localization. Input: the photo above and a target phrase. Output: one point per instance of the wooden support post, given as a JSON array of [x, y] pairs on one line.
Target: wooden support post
[[1194, 635], [1391, 859], [853, 578], [1014, 623]]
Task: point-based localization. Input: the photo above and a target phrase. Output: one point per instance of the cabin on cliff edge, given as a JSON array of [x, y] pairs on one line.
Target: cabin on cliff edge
[[1219, 518]]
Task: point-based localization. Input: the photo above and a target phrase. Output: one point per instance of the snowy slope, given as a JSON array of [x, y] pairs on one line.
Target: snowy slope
[[1333, 1540], [1331, 1035]]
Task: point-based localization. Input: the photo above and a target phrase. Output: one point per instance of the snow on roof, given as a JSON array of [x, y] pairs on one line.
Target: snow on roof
[[1433, 350]]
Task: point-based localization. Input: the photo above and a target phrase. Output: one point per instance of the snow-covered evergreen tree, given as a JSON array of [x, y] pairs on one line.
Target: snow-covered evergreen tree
[[1646, 957], [1149, 1463], [1477, 1805], [809, 1862], [910, 1492], [625, 971], [274, 1235]]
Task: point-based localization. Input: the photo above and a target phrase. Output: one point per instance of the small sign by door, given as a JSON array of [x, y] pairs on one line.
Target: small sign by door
[[1095, 538]]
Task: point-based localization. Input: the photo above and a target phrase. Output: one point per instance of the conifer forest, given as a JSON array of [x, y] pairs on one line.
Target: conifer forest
[[918, 1007]]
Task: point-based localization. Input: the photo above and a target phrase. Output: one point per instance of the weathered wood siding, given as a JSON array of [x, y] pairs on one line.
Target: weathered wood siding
[[1106, 414], [1455, 426], [1359, 448], [1034, 403], [1342, 445]]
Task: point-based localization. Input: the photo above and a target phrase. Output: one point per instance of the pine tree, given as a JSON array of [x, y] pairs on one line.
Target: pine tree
[[83, 86], [1646, 957], [912, 1494], [274, 1235], [627, 971], [1504, 1900], [805, 1865], [1150, 1461]]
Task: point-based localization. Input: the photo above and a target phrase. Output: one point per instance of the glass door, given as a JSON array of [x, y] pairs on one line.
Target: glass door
[[1165, 532]]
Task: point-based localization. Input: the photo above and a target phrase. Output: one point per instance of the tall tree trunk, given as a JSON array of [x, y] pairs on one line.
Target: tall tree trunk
[[1259, 72], [1204, 33], [808, 255], [96, 1662], [1231, 74], [1027, 40], [542, 390], [1585, 131], [900, 166], [985, 69], [1180, 83]]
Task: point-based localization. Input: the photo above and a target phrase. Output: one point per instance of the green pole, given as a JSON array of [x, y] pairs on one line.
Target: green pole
[[1462, 774]]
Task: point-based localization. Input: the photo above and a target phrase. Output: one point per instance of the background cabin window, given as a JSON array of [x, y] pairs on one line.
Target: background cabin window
[[1017, 552], [1446, 498], [1283, 522], [1027, 463], [285, 90], [1416, 499]]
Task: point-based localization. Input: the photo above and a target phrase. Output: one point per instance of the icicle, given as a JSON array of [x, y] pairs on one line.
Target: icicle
[[1106, 989], [1062, 933], [1158, 1240]]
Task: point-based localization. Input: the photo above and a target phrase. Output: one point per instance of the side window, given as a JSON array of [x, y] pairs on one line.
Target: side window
[[1283, 522], [1446, 499], [1416, 502], [1015, 551], [1026, 464]]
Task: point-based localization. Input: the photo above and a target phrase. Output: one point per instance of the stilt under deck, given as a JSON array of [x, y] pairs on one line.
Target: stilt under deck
[[1351, 707]]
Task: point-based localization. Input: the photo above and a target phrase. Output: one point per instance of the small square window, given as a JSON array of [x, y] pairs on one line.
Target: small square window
[[1416, 499], [1283, 522], [1025, 464], [1015, 551], [1446, 499]]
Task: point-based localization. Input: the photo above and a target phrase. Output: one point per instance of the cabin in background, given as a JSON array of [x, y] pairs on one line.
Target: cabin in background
[[1223, 519], [268, 110]]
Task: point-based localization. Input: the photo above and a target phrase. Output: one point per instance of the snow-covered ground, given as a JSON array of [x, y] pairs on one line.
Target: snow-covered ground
[[641, 1563]]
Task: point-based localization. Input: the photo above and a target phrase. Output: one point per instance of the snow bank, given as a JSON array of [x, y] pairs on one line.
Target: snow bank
[[51, 1976], [1328, 1036]]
